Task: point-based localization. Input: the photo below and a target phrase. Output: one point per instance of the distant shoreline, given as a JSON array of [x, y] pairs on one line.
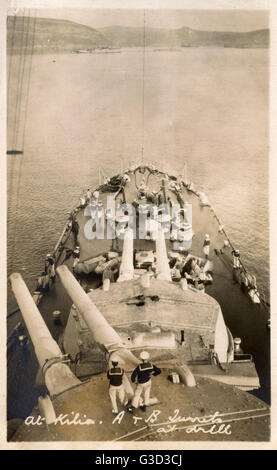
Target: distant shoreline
[[16, 51]]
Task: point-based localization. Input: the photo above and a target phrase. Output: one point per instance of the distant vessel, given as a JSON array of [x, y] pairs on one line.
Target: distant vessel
[[153, 288], [172, 49], [83, 51], [96, 50]]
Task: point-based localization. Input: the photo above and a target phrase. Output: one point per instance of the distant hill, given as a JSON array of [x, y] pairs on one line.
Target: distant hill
[[51, 34], [61, 35], [122, 36]]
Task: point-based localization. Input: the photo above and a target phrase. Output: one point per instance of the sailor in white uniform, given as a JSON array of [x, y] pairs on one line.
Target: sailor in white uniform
[[143, 373], [206, 245], [236, 259], [116, 389]]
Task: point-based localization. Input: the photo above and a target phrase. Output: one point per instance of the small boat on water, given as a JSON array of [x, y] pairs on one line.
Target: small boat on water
[[135, 283]]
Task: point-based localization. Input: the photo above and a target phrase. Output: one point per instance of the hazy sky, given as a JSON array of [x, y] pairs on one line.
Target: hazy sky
[[216, 20]]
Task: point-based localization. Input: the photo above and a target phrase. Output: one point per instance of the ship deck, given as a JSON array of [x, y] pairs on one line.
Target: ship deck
[[235, 304], [243, 417]]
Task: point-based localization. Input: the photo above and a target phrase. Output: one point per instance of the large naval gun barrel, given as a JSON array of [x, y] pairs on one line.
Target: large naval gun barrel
[[101, 330], [126, 271], [57, 375], [98, 325], [162, 269]]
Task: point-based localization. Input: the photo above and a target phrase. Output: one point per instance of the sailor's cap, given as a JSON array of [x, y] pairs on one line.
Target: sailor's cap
[[114, 357], [144, 355]]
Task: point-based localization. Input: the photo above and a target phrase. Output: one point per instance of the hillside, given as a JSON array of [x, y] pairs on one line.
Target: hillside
[[51, 34], [127, 36], [62, 35]]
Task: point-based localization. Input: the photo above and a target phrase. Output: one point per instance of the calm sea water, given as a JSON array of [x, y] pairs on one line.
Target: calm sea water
[[208, 106]]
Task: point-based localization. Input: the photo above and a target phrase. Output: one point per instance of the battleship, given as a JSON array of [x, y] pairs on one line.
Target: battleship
[[140, 279]]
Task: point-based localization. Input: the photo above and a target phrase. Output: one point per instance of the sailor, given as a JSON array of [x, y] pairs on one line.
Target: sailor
[[95, 196], [226, 244], [155, 198], [193, 276], [52, 272], [126, 178], [88, 196], [109, 269], [191, 187], [143, 373], [116, 389], [206, 245], [82, 202], [203, 199], [252, 281], [201, 288], [173, 186], [151, 197], [43, 282], [142, 189], [76, 252], [75, 226], [176, 272], [76, 256], [236, 259], [49, 261]]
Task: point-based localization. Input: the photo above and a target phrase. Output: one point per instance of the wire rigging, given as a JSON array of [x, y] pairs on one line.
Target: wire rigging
[[11, 55], [29, 76], [18, 93], [143, 98], [18, 70], [20, 89], [23, 67]]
